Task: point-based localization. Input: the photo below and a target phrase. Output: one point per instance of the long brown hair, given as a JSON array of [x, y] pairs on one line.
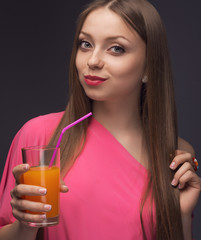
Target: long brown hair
[[158, 111]]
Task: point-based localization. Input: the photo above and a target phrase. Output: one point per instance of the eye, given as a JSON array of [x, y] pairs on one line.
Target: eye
[[84, 44], [117, 49]]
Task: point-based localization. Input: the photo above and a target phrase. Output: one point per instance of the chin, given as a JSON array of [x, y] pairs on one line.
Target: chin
[[93, 95], [96, 98]]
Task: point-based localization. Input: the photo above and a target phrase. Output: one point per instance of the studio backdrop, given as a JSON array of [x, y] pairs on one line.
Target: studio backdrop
[[35, 46]]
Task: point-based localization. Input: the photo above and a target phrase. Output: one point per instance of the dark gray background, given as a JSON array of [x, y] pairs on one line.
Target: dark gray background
[[35, 45]]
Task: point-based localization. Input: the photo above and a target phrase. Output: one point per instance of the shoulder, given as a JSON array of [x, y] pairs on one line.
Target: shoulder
[[185, 146], [48, 119], [40, 127]]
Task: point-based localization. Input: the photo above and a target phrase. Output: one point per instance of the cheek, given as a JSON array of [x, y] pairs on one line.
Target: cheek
[[79, 63], [130, 69]]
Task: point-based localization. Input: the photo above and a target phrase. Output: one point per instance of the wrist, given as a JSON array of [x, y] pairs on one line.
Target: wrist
[[186, 218], [25, 228], [187, 226]]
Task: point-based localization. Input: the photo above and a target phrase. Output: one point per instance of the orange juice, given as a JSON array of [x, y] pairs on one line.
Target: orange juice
[[48, 178]]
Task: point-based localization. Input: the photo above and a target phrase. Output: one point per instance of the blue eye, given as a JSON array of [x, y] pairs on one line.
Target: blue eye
[[117, 49], [84, 44]]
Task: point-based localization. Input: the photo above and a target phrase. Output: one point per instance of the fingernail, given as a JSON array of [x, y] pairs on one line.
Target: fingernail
[[172, 165], [32, 224], [26, 167], [47, 207], [180, 186], [43, 216], [174, 182], [65, 188], [42, 191]]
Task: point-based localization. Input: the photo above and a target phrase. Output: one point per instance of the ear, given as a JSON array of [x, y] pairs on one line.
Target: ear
[[145, 79]]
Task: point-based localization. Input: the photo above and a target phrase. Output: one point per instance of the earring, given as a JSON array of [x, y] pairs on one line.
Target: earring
[[145, 79]]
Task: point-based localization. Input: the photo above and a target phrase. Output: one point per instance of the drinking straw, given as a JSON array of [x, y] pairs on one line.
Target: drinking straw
[[62, 132]]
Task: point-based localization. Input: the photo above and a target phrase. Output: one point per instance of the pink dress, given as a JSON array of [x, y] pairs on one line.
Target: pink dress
[[105, 186]]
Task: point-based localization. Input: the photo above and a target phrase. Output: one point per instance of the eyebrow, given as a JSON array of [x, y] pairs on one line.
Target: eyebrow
[[108, 38]]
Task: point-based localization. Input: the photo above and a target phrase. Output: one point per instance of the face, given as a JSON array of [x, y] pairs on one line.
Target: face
[[111, 57]]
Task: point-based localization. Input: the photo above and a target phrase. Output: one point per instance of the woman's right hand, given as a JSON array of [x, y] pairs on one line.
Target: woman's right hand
[[19, 205]]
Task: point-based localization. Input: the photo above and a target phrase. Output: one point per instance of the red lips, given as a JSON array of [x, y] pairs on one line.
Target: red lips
[[94, 80]]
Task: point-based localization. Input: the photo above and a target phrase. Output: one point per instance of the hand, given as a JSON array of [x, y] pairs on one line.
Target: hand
[[19, 205], [63, 187], [187, 181]]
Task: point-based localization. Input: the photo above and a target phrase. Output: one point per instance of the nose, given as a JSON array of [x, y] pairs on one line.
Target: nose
[[95, 61]]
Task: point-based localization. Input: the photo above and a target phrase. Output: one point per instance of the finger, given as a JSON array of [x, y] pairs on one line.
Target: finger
[[63, 187], [19, 170], [180, 172], [21, 204], [188, 177], [28, 217], [178, 151], [180, 159], [27, 190]]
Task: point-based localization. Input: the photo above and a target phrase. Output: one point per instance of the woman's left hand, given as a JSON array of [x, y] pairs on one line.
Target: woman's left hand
[[186, 180]]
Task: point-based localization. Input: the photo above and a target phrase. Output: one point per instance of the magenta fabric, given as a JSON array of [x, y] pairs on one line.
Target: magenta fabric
[[105, 186]]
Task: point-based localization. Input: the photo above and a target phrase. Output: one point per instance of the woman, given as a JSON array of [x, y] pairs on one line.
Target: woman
[[127, 179]]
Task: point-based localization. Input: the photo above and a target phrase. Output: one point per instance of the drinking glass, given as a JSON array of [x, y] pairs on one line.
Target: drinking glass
[[41, 174]]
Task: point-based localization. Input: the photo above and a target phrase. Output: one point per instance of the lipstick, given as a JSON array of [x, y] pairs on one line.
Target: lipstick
[[93, 80]]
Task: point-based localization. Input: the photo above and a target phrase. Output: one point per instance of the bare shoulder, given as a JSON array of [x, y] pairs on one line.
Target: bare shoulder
[[185, 146]]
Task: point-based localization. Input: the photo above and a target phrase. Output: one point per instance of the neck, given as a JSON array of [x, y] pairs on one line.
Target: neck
[[123, 121], [119, 116]]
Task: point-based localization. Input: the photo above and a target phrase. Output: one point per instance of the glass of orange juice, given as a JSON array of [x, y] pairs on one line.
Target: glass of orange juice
[[41, 174]]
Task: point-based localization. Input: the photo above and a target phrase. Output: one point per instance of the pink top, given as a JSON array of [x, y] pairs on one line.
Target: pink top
[[105, 185]]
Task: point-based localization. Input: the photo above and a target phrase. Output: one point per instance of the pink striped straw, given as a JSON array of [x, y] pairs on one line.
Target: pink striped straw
[[62, 132]]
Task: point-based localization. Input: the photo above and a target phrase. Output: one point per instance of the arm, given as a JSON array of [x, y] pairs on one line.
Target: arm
[[18, 228], [10, 231], [188, 183], [187, 223], [10, 228], [32, 133]]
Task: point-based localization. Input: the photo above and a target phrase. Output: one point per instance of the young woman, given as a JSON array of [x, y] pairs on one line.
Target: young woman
[[129, 175]]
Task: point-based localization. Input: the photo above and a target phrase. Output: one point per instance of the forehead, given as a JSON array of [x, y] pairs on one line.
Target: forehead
[[105, 22]]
